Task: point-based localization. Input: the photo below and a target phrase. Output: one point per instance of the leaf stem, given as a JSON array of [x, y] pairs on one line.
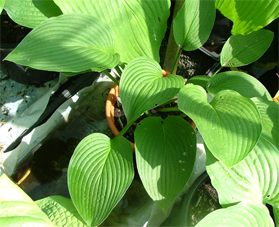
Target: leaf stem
[[217, 71], [111, 77], [126, 127], [168, 109], [118, 70], [176, 60]]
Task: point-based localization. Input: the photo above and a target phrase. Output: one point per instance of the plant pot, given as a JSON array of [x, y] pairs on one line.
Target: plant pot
[[110, 110], [200, 200]]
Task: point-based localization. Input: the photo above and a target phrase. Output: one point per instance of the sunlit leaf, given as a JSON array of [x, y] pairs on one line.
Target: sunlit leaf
[[139, 26], [230, 125], [17, 208], [67, 43], [253, 180], [240, 215], [30, 13], [246, 85], [248, 16], [240, 50], [193, 23], [143, 87], [100, 171], [61, 211]]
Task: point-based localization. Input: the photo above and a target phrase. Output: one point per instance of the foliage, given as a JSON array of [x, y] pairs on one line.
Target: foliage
[[239, 126]]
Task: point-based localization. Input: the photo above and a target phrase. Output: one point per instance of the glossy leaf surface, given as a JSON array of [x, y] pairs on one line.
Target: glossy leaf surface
[[193, 23], [240, 50], [269, 111], [248, 16], [143, 87], [240, 215], [17, 208], [61, 211], [67, 43], [253, 180], [165, 154], [246, 85], [139, 26], [230, 125], [100, 171], [30, 13]]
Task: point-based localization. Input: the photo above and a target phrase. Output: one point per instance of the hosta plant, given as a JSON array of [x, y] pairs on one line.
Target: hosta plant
[[239, 126]]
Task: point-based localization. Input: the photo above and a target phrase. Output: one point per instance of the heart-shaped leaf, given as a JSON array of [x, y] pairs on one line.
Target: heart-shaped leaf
[[100, 171], [30, 13], [67, 43], [248, 16], [269, 111], [139, 26], [242, 50], [240, 215], [230, 125], [61, 211], [165, 154], [143, 87], [253, 180], [193, 23], [240, 82], [17, 208]]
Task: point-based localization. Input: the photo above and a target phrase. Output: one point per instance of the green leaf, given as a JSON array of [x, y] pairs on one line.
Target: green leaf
[[230, 125], [199, 80], [67, 43], [240, 215], [165, 155], [276, 215], [139, 26], [246, 85], [253, 180], [269, 111], [248, 16], [240, 50], [2, 3], [30, 13], [193, 23], [61, 211], [143, 87], [17, 208], [100, 171]]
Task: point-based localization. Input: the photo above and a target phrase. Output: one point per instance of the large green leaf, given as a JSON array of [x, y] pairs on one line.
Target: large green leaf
[[61, 211], [276, 215], [139, 26], [269, 111], [241, 82], [165, 154], [143, 87], [17, 208], [100, 171], [67, 43], [240, 215], [230, 125], [248, 16], [193, 23], [253, 180], [30, 13], [242, 50]]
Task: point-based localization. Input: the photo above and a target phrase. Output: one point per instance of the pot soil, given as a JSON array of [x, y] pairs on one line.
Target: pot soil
[[200, 200]]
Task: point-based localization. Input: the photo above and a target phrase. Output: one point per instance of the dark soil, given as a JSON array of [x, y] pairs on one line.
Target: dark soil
[[205, 201], [12, 32]]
